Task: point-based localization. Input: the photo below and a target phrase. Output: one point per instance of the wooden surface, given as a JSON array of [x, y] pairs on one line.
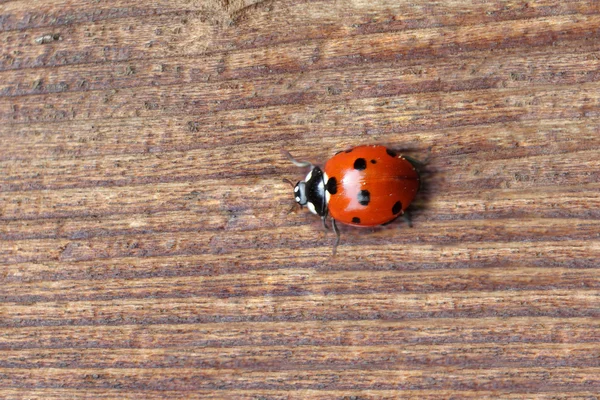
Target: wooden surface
[[145, 241]]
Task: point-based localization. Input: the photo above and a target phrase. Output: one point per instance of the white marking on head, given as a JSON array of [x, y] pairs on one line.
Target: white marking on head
[[308, 176], [311, 207], [297, 199]]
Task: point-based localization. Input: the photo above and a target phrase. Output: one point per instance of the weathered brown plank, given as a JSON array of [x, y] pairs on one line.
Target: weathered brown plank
[[530, 379], [447, 74], [285, 283], [314, 357], [538, 25], [315, 333], [554, 303], [403, 15], [463, 107], [111, 137], [147, 247], [302, 239], [573, 255], [442, 232], [320, 394]]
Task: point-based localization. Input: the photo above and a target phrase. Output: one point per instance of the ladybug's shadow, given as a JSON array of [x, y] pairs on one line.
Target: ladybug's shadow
[[426, 173]]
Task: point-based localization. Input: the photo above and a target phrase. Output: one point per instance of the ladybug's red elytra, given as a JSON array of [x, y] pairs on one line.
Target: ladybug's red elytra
[[364, 186]]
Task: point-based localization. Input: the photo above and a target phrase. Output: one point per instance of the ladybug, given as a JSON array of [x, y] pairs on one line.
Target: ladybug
[[364, 186]]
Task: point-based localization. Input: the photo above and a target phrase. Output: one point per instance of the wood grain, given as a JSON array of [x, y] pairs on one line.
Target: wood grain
[[146, 240]]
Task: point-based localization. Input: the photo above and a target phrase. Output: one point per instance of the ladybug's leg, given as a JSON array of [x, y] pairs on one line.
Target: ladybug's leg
[[406, 218], [323, 219], [337, 235], [297, 163], [416, 163], [419, 163]]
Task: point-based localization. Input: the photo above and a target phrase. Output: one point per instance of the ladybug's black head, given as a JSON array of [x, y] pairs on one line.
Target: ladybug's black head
[[311, 192]]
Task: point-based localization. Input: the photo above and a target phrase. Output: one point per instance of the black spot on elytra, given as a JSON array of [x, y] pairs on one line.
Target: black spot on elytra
[[397, 208], [391, 153], [332, 185], [356, 220], [373, 161], [360, 164], [364, 197]]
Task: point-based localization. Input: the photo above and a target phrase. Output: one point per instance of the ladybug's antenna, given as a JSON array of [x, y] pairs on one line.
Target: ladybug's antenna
[[293, 208], [294, 205], [297, 163], [286, 180]]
